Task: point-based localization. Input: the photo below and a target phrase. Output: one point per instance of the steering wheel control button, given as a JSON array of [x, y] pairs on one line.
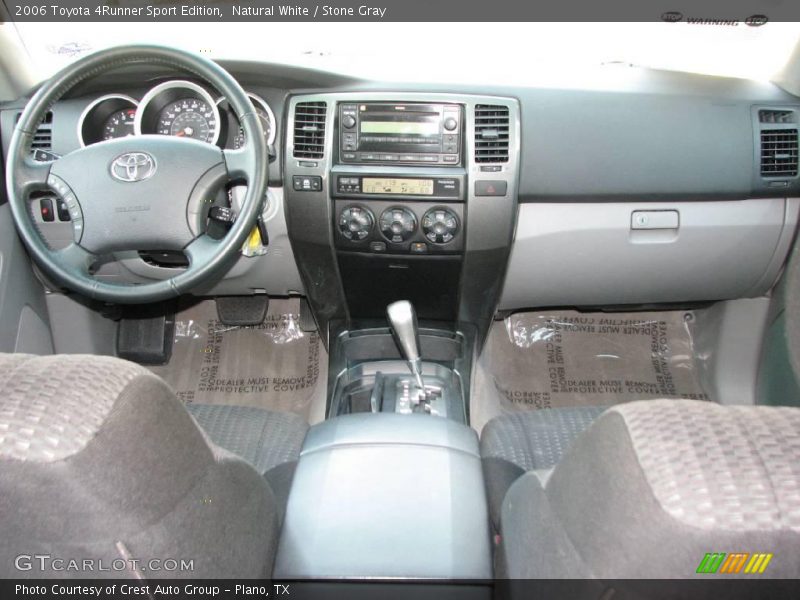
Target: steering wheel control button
[[490, 188], [355, 223], [307, 183], [62, 210], [46, 209], [440, 225], [398, 224]]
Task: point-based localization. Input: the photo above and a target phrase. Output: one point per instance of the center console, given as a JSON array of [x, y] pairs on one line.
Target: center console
[[401, 210]]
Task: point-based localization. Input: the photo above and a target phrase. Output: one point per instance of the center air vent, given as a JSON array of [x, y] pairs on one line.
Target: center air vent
[[778, 152], [491, 133], [309, 129]]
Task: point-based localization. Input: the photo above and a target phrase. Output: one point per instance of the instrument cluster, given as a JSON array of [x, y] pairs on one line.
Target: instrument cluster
[[178, 108]]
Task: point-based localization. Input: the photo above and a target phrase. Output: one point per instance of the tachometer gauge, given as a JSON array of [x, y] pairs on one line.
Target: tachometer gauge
[[190, 118], [235, 136], [107, 118], [266, 123], [119, 124]]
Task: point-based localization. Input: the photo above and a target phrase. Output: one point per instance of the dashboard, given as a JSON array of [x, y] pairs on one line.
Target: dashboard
[[639, 188]]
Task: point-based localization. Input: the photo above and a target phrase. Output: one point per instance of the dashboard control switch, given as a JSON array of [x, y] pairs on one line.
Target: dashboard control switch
[[490, 188], [355, 223], [398, 224], [63, 210], [440, 225], [46, 208], [307, 183]]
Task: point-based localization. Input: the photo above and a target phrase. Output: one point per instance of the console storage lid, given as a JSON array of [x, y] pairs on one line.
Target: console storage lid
[[387, 496]]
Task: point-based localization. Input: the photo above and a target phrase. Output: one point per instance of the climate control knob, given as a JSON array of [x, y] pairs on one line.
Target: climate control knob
[[355, 223], [398, 224], [440, 225]]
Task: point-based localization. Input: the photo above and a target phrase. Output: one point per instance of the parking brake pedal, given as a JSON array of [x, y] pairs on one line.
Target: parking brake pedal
[[242, 311], [145, 336]]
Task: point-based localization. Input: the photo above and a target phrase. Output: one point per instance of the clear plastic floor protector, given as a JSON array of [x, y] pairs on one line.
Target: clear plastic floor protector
[[545, 360], [274, 365]]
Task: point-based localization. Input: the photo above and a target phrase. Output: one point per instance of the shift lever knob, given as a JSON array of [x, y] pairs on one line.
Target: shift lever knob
[[403, 321]]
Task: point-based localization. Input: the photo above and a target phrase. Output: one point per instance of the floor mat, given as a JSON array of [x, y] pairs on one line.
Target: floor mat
[[274, 365], [566, 358]]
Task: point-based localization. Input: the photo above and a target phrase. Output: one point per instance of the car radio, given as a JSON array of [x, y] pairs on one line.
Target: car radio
[[400, 133]]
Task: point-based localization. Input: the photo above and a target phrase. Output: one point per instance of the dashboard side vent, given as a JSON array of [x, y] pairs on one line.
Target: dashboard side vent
[[43, 138], [778, 152], [776, 116], [491, 133], [309, 129]]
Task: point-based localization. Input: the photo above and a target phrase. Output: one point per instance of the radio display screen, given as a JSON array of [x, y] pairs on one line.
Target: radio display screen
[[401, 127], [383, 185]]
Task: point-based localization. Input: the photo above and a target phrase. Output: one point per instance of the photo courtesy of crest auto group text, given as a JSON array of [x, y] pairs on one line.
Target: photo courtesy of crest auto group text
[[398, 300]]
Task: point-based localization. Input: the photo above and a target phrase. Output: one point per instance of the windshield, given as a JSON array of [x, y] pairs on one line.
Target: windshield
[[466, 53]]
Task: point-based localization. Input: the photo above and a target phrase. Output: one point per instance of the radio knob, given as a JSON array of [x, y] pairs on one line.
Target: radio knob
[[355, 223], [398, 224], [450, 123], [348, 122], [440, 225]]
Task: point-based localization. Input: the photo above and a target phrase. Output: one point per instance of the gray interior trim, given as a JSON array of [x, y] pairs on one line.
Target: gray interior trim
[[730, 336], [574, 254]]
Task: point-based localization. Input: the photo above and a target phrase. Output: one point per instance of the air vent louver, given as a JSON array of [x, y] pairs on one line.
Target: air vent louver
[[779, 152], [776, 116], [491, 133], [309, 129], [43, 138]]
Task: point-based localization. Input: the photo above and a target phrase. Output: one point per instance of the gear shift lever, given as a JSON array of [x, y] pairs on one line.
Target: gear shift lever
[[403, 321]]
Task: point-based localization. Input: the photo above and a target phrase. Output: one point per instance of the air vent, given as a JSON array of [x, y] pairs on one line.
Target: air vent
[[309, 129], [776, 116], [491, 133], [778, 152], [43, 138]]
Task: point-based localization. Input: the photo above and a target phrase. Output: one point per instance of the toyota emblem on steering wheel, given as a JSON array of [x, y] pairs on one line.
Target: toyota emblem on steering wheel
[[133, 166]]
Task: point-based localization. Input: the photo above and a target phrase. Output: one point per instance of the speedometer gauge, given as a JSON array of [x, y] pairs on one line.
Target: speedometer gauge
[[119, 124], [190, 118]]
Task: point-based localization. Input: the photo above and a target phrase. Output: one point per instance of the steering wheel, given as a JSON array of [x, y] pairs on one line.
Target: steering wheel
[[137, 193]]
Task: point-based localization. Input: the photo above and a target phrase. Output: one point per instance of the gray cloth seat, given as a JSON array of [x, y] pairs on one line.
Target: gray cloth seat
[[516, 443], [651, 487], [99, 460], [270, 441]]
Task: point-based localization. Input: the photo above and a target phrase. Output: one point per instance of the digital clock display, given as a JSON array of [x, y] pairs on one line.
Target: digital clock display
[[385, 185]]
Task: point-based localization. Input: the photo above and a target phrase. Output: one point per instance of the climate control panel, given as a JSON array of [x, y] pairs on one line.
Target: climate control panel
[[398, 224], [386, 227], [355, 223]]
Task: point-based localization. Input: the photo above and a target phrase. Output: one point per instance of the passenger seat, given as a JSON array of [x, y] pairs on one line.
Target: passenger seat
[[652, 487]]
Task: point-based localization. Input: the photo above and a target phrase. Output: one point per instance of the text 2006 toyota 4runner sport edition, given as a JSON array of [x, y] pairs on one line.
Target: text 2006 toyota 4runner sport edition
[[297, 316]]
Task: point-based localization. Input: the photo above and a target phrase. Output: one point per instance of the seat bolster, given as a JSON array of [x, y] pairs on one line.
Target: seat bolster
[[534, 543]]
